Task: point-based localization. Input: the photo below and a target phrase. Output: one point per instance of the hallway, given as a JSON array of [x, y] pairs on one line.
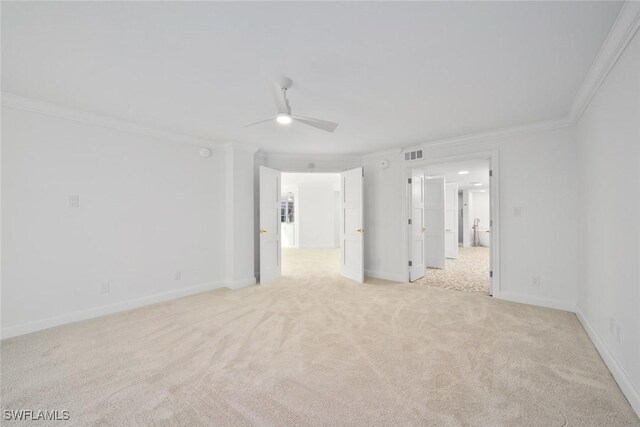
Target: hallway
[[468, 273]]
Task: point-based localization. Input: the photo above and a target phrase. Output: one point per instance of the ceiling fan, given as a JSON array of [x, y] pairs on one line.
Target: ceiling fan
[[284, 116]]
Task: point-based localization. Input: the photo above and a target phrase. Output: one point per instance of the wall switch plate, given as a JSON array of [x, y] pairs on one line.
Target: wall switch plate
[[105, 288], [73, 201], [177, 275], [517, 211], [535, 281]]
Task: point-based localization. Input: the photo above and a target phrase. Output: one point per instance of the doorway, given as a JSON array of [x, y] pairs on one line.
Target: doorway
[[308, 220], [298, 215], [452, 225]]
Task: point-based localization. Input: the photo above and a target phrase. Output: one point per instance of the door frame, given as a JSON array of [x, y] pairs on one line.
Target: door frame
[[494, 165]]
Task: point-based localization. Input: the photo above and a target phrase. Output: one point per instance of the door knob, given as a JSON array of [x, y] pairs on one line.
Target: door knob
[[424, 229], [263, 230], [359, 230]]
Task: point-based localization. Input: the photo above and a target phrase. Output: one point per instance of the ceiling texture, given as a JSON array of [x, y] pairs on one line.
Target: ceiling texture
[[390, 73]]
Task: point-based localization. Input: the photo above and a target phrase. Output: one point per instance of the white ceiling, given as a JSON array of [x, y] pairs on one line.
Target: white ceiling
[[391, 73], [478, 172]]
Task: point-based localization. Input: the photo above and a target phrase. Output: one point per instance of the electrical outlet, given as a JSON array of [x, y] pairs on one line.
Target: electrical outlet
[[105, 288], [535, 281], [73, 201], [177, 275]]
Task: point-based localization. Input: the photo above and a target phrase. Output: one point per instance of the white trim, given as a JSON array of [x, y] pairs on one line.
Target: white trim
[[237, 284], [624, 382], [548, 125], [312, 156], [48, 109], [235, 145], [383, 275], [389, 151], [76, 316], [541, 302], [494, 193], [620, 34]]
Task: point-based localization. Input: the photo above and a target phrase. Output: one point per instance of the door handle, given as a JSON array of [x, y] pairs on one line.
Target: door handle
[[424, 229], [447, 230], [359, 230], [263, 231]]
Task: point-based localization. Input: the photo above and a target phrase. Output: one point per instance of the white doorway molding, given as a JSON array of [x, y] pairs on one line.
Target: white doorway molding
[[494, 166]]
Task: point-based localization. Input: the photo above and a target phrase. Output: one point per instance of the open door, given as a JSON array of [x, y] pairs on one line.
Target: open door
[[351, 222], [270, 251], [434, 220], [416, 226], [451, 220]]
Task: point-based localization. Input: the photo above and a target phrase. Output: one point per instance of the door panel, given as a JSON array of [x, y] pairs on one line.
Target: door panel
[[270, 230], [451, 220], [434, 222], [417, 227], [351, 225]]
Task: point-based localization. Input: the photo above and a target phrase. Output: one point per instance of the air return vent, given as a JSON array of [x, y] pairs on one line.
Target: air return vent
[[413, 155]]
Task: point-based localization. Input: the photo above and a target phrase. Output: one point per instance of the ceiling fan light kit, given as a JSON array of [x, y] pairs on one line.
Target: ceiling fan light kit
[[284, 116]]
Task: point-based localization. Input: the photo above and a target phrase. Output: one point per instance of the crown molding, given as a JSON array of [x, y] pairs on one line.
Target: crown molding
[[387, 152], [542, 126], [53, 110], [621, 33], [312, 156]]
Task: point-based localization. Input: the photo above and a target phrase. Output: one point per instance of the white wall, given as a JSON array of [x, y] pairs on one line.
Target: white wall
[[537, 174], [480, 209], [148, 208], [609, 231], [315, 212]]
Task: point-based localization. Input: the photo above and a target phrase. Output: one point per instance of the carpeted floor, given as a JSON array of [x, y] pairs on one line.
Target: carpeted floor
[[469, 272], [316, 349]]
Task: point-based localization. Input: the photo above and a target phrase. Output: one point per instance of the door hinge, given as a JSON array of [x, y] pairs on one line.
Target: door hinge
[[410, 264], [490, 172], [409, 180], [491, 274], [490, 223], [363, 172], [409, 221]]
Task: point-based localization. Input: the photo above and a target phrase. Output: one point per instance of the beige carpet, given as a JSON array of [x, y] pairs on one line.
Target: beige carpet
[[314, 349], [469, 272]]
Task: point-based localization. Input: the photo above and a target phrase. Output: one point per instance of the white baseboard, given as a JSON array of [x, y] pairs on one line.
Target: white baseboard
[[542, 302], [237, 284], [76, 316], [624, 382], [384, 276]]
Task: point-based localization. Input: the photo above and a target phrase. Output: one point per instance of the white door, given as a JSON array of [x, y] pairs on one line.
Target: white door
[[270, 236], [434, 223], [351, 223], [451, 220], [416, 226]]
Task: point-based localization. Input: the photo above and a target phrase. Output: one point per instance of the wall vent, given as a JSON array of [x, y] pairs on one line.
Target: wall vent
[[413, 155]]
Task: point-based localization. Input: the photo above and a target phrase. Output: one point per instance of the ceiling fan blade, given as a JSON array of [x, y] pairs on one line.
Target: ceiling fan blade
[[257, 123], [317, 123]]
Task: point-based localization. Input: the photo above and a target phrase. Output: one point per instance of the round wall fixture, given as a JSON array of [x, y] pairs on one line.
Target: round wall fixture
[[384, 164], [205, 152]]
